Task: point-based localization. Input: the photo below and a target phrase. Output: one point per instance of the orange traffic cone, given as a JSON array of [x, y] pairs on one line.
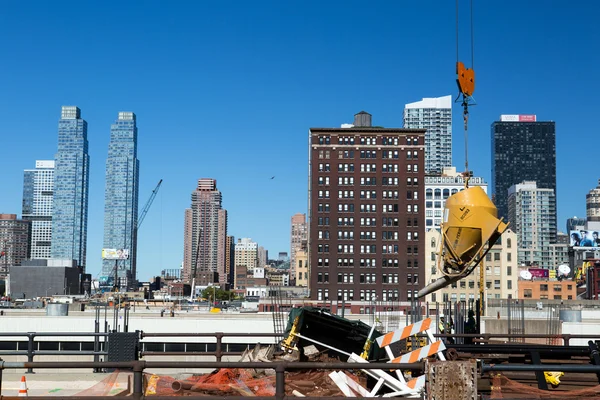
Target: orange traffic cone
[[23, 387]]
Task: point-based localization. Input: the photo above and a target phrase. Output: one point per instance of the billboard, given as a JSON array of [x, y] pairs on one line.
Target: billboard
[[115, 254], [518, 118], [585, 238], [539, 272]]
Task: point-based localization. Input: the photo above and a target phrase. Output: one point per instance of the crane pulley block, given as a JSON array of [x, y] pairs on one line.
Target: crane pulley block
[[465, 80]]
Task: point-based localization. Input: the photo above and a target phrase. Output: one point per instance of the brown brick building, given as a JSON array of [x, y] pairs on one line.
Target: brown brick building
[[366, 231]]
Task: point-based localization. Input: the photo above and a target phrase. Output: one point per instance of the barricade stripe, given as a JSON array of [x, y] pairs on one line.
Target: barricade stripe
[[403, 333], [421, 353], [416, 383]]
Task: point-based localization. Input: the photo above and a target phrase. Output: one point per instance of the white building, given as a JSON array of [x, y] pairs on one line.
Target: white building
[[531, 212], [246, 254], [435, 115], [439, 188], [38, 189], [592, 203]]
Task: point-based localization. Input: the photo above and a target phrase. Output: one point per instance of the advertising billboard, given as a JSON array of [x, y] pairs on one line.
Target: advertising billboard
[[585, 239], [115, 254], [539, 272], [518, 118]]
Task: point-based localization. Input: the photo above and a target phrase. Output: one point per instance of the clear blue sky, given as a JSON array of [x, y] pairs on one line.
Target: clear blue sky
[[229, 90]]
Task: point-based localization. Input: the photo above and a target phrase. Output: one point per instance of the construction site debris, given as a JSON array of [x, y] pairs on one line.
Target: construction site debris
[[336, 335], [503, 387]]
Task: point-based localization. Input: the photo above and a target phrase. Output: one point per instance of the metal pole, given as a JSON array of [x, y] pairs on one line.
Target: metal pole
[[508, 312], [280, 381], [97, 338], [218, 352], [138, 386], [30, 336], [478, 315]]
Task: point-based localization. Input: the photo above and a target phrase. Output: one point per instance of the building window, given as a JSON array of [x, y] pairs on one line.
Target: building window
[[527, 293]]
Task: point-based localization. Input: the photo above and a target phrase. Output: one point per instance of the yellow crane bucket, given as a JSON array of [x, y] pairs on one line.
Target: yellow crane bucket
[[470, 228]]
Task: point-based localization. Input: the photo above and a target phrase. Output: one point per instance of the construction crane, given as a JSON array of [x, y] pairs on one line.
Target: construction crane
[[148, 204], [140, 220], [470, 226]]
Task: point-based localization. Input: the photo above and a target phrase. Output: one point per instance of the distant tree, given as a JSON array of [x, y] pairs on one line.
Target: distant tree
[[219, 293]]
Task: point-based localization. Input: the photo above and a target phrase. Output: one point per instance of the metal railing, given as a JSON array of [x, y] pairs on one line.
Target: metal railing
[[219, 345], [485, 338], [138, 368], [31, 351], [218, 353]]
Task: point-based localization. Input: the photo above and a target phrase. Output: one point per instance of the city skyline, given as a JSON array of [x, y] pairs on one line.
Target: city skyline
[[302, 77]]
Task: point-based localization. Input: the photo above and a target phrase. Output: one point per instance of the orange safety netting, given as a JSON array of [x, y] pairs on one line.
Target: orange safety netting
[[107, 386], [503, 387], [242, 382], [225, 382]]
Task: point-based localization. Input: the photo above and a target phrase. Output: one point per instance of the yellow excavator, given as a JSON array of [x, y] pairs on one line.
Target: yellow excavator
[[470, 225]]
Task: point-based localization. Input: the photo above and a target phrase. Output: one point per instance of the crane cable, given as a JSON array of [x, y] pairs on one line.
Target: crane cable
[[466, 98]]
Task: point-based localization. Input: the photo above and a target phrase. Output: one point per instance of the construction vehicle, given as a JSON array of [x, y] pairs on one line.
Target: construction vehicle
[[470, 224]]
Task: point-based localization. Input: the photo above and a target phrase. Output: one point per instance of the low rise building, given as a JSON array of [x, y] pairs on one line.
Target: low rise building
[[278, 278], [302, 267], [245, 278], [44, 278], [543, 289]]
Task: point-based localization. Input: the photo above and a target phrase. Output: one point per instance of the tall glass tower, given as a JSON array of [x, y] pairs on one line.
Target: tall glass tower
[[121, 200], [523, 149], [38, 189], [435, 115], [71, 181]]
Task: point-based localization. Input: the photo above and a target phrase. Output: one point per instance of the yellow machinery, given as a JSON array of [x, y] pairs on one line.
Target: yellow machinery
[[471, 225], [553, 378], [470, 229]]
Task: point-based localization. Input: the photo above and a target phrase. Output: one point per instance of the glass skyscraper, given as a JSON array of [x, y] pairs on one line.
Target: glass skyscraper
[[435, 115], [121, 200], [522, 150], [71, 181], [38, 189]]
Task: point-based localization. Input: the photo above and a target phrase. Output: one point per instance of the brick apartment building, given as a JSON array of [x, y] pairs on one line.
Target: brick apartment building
[[366, 230]]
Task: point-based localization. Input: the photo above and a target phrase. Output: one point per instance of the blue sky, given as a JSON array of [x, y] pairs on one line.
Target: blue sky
[[229, 89]]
